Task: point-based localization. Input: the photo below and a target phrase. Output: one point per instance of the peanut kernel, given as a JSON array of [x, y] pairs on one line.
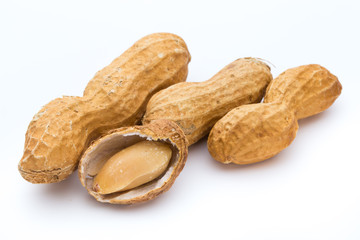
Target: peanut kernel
[[132, 167]]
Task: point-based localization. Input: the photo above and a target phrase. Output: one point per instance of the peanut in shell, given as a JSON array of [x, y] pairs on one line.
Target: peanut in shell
[[196, 106], [117, 96], [307, 90], [254, 133], [102, 149]]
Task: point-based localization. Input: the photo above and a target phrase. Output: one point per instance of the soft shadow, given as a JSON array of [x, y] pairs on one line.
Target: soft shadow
[[273, 161], [71, 189], [64, 188], [231, 167], [86, 199], [312, 119], [158, 201], [198, 145]]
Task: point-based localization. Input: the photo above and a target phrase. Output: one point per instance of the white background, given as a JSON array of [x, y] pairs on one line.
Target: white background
[[311, 190]]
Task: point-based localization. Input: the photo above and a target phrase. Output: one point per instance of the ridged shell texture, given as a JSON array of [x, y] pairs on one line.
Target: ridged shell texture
[[253, 133], [196, 106], [116, 96]]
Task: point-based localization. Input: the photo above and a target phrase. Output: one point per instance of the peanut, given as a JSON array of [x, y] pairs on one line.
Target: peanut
[[134, 164], [253, 133], [308, 90], [196, 106], [116, 96], [132, 167]]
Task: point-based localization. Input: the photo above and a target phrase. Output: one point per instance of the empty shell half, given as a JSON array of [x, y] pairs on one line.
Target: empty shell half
[[134, 164]]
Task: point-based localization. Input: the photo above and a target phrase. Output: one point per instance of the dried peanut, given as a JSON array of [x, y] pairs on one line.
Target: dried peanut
[[308, 90], [116, 96], [196, 106], [253, 133], [133, 166], [100, 175]]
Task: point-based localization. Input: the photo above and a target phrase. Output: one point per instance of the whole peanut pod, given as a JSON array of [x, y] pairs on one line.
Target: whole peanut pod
[[253, 133], [116, 96], [196, 106], [308, 90]]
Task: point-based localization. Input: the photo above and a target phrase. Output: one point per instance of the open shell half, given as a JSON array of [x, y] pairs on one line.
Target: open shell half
[[102, 149]]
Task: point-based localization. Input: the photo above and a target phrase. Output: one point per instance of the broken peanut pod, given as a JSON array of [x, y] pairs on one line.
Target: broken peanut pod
[[134, 164], [253, 133], [117, 96], [196, 106]]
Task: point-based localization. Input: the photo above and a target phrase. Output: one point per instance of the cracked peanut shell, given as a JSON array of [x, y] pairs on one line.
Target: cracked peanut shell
[[102, 149]]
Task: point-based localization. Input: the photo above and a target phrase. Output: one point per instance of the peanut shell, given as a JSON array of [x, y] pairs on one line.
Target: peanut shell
[[102, 149], [253, 133], [308, 89], [116, 96], [196, 106]]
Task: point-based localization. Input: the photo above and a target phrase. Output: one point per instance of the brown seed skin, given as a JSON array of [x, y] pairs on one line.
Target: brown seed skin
[[196, 106], [115, 97], [253, 133], [159, 130], [250, 133], [308, 89]]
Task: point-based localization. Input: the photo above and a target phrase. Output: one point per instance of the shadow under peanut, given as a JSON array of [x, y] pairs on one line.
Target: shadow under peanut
[[232, 167], [71, 190], [65, 189], [305, 122]]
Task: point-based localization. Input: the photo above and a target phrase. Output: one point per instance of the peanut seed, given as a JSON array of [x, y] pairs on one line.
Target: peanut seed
[[132, 167]]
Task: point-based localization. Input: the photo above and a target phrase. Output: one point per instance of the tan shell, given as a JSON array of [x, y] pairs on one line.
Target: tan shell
[[116, 96], [307, 89], [196, 106], [102, 149], [252, 133]]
